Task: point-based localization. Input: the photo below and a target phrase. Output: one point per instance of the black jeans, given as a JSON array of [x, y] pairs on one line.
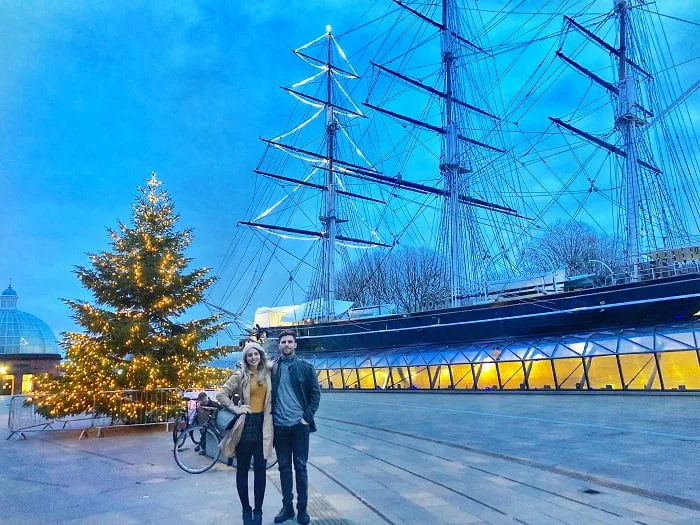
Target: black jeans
[[244, 452], [292, 445]]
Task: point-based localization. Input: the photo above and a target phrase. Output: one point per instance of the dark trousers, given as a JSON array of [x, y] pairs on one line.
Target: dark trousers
[[244, 452], [292, 446]]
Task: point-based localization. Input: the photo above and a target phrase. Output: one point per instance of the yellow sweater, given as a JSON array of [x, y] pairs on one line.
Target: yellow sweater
[[257, 394]]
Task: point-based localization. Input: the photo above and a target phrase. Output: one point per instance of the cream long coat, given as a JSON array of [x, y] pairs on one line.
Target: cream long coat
[[240, 382]]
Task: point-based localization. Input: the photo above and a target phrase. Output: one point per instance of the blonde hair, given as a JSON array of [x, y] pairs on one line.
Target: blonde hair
[[262, 365]]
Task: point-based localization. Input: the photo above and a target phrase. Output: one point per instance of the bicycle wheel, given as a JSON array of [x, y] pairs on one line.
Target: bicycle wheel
[[196, 437], [197, 458], [179, 425]]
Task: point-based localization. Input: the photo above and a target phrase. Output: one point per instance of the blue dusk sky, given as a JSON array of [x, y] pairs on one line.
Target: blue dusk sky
[[96, 95]]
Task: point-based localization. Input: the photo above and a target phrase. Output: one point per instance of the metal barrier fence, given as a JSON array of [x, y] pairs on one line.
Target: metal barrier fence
[[125, 408]]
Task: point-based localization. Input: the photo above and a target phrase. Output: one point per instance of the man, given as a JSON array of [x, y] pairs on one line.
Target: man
[[295, 398]]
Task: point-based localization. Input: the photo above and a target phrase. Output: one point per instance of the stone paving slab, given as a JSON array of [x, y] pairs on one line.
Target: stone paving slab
[[392, 459]]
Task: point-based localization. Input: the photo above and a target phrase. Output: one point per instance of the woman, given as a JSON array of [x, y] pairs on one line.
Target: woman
[[251, 435]]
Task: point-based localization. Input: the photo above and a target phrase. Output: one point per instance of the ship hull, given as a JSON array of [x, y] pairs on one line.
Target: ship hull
[[622, 306]]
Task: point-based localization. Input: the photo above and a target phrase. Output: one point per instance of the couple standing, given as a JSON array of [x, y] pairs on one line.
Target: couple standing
[[280, 401]]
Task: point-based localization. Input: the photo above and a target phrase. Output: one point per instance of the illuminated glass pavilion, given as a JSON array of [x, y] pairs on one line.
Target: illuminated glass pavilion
[[651, 358]]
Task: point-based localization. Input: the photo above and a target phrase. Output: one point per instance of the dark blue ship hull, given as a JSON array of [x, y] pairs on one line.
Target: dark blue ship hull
[[622, 306]]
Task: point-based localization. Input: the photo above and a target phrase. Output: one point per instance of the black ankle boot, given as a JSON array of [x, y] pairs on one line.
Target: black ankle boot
[[303, 516], [247, 516], [284, 514], [257, 517]]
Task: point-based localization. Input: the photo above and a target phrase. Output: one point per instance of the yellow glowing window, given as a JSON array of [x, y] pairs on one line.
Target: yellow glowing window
[[639, 372], [603, 372], [570, 373], [539, 374], [512, 375], [680, 370], [486, 376], [462, 377], [27, 383]]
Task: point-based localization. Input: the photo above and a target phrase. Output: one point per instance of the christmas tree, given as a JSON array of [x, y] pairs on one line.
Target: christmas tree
[[134, 334]]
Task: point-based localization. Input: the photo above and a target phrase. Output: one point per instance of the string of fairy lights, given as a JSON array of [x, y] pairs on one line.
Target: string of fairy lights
[[129, 339]]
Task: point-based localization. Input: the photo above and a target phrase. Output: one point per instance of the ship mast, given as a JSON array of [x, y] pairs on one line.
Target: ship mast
[[450, 166], [629, 118], [459, 237], [627, 122], [330, 220]]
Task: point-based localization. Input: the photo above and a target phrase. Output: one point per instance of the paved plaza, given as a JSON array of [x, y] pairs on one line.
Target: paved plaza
[[383, 458]]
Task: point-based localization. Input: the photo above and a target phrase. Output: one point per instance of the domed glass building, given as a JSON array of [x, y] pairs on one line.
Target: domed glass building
[[27, 346]]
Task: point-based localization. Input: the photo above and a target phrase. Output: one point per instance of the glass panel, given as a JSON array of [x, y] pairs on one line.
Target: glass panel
[[382, 377], [592, 348], [399, 377], [604, 373], [482, 356], [347, 362], [363, 362], [539, 375], [453, 357], [570, 373], [433, 358], [678, 339], [350, 379], [561, 350], [416, 359], [631, 346], [486, 376], [462, 376], [639, 372], [512, 375], [644, 342], [335, 379], [379, 360], [366, 378], [419, 377], [680, 370], [398, 360], [512, 354], [610, 343], [322, 378], [548, 349], [441, 375]]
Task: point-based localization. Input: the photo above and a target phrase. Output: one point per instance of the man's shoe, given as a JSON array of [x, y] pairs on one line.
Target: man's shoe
[[303, 516], [285, 514]]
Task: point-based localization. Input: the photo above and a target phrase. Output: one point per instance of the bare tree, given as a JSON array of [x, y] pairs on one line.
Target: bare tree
[[575, 246], [410, 278], [417, 281], [364, 281]]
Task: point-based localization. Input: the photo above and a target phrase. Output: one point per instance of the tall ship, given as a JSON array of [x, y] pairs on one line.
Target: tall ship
[[507, 174]]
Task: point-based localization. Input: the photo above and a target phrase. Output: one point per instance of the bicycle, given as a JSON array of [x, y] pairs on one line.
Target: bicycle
[[204, 452], [182, 420], [187, 416]]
